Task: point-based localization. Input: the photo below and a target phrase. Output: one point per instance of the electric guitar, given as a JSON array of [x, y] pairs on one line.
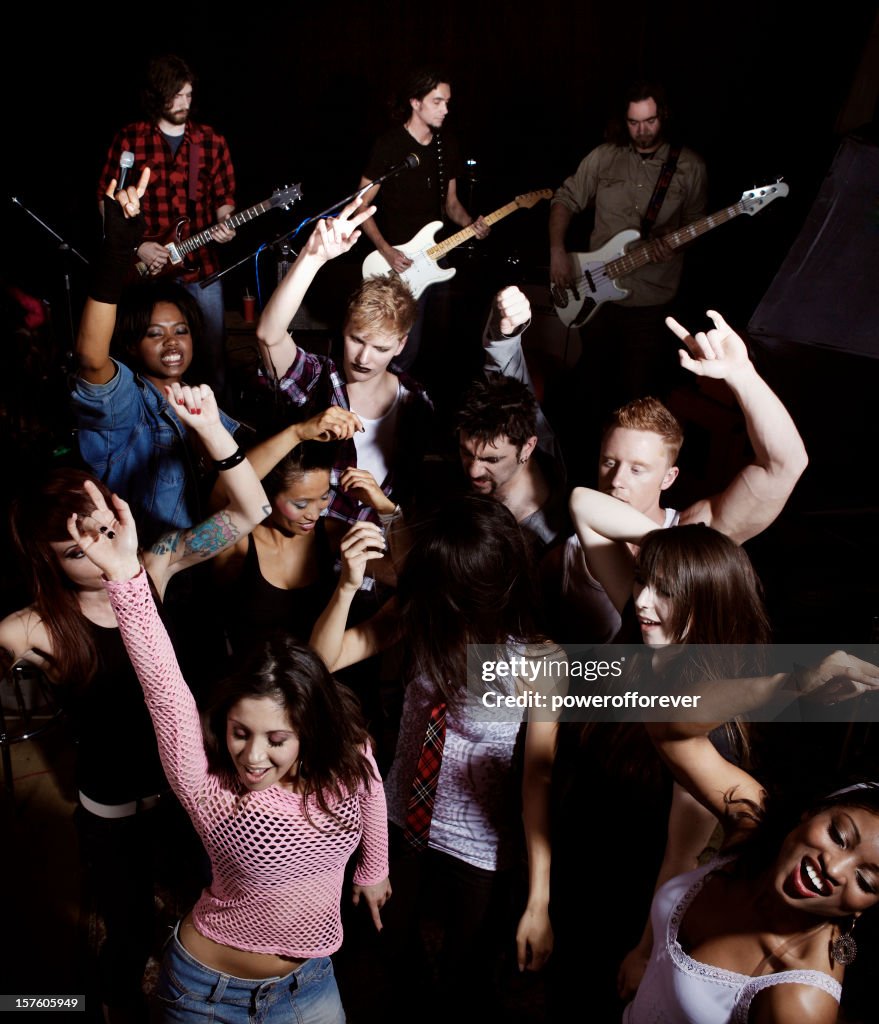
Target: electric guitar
[[180, 247], [425, 252], [597, 272]]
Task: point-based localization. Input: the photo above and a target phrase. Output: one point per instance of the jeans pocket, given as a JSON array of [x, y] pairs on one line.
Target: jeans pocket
[[178, 998]]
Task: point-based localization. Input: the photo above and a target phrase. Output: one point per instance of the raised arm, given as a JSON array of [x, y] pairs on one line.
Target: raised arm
[[336, 645], [333, 424], [246, 501], [502, 337], [693, 758], [108, 537], [123, 228], [330, 238], [758, 493], [605, 525]]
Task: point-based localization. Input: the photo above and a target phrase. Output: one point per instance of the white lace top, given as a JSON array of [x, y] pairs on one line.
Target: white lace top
[[677, 989], [477, 807]]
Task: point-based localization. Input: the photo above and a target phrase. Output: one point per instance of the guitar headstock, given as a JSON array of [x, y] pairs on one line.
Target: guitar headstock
[[286, 196], [532, 198], [757, 198]]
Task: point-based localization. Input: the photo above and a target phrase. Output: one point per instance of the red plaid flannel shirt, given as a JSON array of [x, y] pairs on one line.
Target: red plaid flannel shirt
[[167, 196]]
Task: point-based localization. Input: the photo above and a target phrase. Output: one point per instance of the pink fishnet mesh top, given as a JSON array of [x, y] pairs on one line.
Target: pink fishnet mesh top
[[277, 877]]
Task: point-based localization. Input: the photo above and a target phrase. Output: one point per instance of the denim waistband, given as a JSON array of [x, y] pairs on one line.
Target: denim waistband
[[295, 978]]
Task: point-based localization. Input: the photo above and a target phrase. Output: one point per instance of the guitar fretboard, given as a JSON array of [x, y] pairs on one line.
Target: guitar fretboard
[[236, 220], [436, 252], [641, 255]]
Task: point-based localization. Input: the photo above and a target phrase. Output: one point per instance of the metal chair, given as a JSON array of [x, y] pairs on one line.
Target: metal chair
[[28, 707]]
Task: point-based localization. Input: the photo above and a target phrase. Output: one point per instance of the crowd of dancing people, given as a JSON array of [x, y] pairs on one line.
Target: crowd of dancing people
[[194, 597]]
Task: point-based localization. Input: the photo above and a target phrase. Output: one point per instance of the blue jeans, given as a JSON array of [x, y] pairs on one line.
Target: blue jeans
[[190, 991]]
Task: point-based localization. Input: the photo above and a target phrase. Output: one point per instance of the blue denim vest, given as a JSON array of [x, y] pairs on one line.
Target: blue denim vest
[[130, 437]]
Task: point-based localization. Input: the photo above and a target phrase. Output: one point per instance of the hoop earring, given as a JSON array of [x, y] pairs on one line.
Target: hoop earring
[[844, 949]]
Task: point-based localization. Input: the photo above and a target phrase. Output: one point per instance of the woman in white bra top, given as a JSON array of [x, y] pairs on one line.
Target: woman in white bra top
[[762, 936]]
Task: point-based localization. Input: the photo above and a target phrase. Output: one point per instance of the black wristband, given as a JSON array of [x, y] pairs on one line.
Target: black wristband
[[233, 460], [113, 266]]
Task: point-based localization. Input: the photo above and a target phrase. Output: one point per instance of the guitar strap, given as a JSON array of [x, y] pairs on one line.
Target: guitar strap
[[441, 175], [659, 191], [194, 161]]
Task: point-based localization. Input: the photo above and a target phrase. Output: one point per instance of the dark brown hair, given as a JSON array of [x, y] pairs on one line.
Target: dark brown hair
[[39, 518], [325, 716], [498, 406], [165, 77], [466, 580]]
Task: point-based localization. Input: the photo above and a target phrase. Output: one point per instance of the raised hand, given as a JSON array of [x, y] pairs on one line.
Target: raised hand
[[333, 237], [363, 542], [719, 353], [362, 485], [195, 406], [838, 677], [512, 309], [333, 424], [107, 537], [129, 198]]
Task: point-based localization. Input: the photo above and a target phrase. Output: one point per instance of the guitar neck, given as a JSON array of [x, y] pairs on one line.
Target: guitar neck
[[436, 252], [196, 241], [641, 255]]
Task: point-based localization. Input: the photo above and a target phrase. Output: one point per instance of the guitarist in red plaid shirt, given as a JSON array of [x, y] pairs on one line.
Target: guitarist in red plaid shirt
[[192, 176]]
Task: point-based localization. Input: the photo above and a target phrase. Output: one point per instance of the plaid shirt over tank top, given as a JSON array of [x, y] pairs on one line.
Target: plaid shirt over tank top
[[167, 197]]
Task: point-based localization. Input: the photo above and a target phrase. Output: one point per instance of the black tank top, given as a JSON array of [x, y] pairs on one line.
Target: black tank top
[[257, 608]]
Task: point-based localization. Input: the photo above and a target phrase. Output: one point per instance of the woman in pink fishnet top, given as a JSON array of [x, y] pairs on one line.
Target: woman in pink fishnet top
[[282, 789]]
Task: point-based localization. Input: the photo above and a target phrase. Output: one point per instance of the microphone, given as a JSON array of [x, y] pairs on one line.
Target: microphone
[[126, 163], [409, 164]]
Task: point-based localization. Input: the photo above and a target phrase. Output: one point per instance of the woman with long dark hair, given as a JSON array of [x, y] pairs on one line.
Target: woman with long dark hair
[[70, 633], [282, 790], [465, 581], [765, 933], [687, 585]]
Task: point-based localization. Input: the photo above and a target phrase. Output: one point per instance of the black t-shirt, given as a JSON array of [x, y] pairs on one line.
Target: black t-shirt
[[414, 197]]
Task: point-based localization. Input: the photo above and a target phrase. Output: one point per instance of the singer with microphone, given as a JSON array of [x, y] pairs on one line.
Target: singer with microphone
[[192, 178], [420, 194]]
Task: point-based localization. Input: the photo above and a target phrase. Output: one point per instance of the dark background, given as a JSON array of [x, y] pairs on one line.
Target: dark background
[[300, 91]]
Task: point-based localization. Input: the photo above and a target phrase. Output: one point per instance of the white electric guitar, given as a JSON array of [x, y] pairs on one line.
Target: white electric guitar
[[597, 272], [425, 252]]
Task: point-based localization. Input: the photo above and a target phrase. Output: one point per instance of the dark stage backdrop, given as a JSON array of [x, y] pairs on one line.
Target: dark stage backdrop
[[300, 91]]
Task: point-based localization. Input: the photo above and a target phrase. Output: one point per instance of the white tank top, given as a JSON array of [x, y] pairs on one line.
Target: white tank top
[[676, 988]]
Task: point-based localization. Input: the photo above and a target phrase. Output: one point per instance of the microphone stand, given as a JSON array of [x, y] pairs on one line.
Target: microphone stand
[[404, 165], [66, 250]]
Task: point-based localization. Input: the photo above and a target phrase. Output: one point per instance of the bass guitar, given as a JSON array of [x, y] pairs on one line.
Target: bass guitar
[[597, 273], [425, 252], [179, 247]]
